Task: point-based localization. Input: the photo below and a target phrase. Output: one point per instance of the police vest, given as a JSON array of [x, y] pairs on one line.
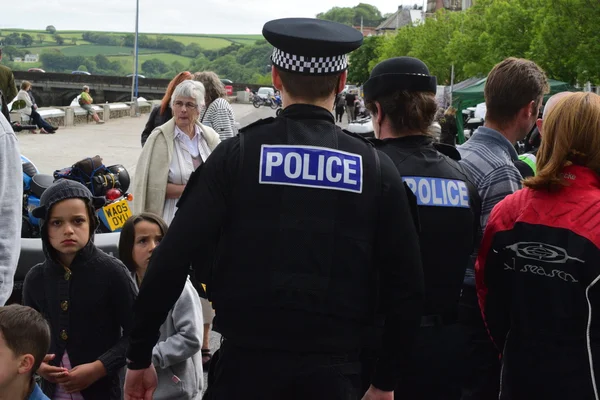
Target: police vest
[[448, 206], [301, 228]]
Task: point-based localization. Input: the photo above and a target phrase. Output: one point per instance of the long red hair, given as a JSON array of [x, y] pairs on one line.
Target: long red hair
[[180, 77]]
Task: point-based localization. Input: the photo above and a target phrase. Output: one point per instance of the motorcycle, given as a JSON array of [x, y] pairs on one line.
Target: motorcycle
[[270, 101], [110, 182]]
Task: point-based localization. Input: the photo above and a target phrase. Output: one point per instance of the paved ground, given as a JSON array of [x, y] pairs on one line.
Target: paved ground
[[117, 141]]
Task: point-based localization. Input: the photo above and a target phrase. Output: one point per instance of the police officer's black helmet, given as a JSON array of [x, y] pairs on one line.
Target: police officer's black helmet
[[399, 74]]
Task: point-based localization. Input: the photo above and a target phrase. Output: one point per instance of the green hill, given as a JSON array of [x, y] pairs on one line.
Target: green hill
[[237, 57]]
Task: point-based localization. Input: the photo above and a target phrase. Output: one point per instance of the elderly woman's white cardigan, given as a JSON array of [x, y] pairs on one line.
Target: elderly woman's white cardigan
[[151, 174]]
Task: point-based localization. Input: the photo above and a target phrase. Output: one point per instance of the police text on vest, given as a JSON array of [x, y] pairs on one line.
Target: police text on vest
[[310, 166], [438, 192]]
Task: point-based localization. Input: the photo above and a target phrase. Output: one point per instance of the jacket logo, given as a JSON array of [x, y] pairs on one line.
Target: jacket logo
[[542, 252], [310, 166]]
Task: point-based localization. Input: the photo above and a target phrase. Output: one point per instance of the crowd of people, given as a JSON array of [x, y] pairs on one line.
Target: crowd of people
[[334, 267]]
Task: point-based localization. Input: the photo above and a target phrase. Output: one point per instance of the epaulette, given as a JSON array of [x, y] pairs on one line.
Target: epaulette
[[448, 150], [261, 121], [356, 135]]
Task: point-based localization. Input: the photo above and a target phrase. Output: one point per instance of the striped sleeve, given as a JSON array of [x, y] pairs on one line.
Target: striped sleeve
[[495, 187], [219, 116]]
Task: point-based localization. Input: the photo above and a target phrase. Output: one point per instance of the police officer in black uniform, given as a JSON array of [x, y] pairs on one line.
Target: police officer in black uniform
[[312, 232], [400, 94]]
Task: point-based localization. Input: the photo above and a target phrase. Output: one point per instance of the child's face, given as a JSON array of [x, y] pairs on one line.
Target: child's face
[[69, 226], [147, 236]]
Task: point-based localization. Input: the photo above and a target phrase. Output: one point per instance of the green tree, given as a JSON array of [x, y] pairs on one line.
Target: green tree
[[177, 67], [102, 62], [154, 66], [359, 70], [82, 67], [41, 37], [59, 39], [26, 40], [566, 40], [371, 16], [14, 39], [51, 29], [11, 52], [343, 15]]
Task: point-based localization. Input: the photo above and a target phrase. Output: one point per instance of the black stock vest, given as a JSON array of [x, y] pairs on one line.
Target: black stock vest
[[296, 253], [449, 208]]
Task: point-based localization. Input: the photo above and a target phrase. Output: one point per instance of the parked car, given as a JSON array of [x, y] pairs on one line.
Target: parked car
[[80, 73], [265, 92], [139, 76], [36, 70], [226, 81]]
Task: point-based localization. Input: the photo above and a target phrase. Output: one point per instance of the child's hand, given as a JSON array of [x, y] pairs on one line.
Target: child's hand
[[49, 372], [83, 376]]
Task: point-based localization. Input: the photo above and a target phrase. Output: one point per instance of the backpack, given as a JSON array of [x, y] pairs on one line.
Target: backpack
[[90, 172], [81, 101]]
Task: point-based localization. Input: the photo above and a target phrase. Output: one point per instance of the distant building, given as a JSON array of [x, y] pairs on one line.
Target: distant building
[[17, 59], [402, 17], [32, 58], [451, 5], [367, 30]]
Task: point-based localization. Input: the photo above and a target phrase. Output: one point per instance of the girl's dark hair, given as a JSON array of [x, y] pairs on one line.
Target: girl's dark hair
[[127, 238]]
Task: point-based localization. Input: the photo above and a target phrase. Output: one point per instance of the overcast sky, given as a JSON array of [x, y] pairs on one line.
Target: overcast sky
[[195, 16]]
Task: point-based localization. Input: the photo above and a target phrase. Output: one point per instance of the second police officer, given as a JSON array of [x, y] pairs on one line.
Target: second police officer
[[400, 94], [313, 234]]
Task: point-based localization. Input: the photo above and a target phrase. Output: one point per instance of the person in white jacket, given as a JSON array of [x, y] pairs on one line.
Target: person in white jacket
[[11, 207], [30, 109], [176, 356]]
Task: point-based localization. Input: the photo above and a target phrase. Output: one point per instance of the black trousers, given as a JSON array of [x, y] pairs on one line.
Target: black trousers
[[436, 371], [250, 374], [40, 121], [482, 363]]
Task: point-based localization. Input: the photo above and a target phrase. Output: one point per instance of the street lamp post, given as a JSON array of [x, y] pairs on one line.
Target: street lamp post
[[134, 83]]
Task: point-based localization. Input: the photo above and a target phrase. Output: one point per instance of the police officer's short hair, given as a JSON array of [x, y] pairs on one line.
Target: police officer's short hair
[[309, 86]]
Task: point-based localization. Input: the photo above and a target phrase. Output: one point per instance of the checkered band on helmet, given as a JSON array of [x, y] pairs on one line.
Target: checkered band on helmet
[[309, 65]]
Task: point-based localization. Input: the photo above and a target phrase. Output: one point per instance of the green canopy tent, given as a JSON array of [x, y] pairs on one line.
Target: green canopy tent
[[473, 95]]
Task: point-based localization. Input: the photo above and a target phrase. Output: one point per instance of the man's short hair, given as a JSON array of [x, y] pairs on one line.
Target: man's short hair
[[412, 111], [309, 86], [510, 86], [25, 331]]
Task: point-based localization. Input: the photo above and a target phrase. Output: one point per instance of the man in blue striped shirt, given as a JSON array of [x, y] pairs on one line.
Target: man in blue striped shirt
[[514, 92]]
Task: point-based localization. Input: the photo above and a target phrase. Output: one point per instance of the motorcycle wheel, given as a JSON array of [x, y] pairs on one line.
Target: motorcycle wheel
[[256, 104], [273, 105], [278, 111]]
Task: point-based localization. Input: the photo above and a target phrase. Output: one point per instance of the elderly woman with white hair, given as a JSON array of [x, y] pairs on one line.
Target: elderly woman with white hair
[[172, 152]]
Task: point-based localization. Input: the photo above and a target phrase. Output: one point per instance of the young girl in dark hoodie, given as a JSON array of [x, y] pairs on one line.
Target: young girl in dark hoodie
[[86, 296]]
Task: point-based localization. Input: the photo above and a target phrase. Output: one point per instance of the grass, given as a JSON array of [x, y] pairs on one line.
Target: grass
[[168, 58], [244, 41], [206, 41]]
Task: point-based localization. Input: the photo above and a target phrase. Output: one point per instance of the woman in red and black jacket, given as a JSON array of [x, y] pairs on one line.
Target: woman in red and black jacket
[[538, 270]]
